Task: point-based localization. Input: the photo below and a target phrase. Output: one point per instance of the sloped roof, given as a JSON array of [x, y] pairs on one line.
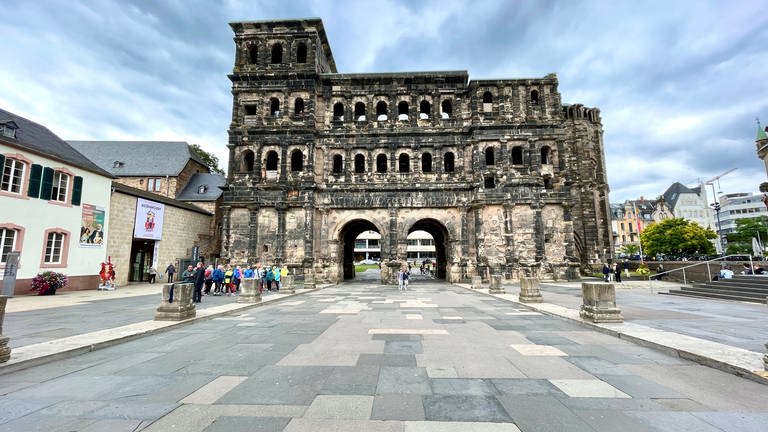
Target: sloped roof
[[138, 158], [119, 187], [38, 139], [202, 187], [672, 194]]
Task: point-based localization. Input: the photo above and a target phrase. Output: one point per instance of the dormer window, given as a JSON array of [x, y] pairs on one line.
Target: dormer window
[[118, 164], [9, 129], [202, 189]]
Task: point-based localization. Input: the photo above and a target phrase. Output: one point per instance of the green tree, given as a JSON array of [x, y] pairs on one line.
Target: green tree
[[630, 249], [676, 237], [740, 241], [210, 159]]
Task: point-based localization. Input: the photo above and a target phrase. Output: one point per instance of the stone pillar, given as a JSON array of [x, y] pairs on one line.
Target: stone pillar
[[181, 308], [599, 303], [477, 282], [529, 290], [287, 284], [496, 285], [249, 291], [5, 350]]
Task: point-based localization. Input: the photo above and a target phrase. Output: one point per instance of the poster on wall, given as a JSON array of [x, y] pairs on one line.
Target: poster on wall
[[149, 219], [92, 226]]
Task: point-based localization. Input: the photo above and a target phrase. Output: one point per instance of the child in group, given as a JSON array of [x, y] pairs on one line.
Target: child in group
[[228, 282]]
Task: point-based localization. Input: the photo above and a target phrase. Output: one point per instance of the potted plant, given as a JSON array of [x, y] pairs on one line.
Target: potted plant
[[46, 283]]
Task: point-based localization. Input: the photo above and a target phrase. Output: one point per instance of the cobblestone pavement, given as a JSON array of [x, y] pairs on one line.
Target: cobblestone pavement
[[363, 357]]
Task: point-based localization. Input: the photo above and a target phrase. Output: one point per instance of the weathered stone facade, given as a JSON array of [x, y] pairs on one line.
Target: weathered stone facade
[[505, 177]]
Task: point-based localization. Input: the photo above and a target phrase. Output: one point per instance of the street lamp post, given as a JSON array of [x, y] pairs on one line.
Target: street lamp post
[[716, 207]]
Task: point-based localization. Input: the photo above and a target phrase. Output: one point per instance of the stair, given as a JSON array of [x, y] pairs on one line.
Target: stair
[[752, 289]]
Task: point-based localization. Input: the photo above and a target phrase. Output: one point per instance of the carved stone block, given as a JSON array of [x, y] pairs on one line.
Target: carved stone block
[[530, 291], [176, 304], [599, 303], [249, 291], [5, 350], [496, 287], [477, 282]]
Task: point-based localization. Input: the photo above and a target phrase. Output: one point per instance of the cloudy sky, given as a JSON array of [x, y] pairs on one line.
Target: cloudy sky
[[679, 83]]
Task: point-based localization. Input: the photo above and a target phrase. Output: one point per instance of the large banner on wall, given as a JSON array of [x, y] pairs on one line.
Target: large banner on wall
[[92, 226], [149, 219]]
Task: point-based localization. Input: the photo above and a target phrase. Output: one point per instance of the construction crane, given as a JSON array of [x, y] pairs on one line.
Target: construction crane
[[717, 179]]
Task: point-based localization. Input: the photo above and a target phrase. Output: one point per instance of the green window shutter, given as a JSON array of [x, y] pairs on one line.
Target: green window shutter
[[47, 187], [35, 177], [77, 190], [2, 164]]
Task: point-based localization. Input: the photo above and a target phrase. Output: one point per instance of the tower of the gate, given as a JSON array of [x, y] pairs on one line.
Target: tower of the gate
[[505, 177]]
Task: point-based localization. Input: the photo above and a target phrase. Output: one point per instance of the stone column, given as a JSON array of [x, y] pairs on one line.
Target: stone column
[[249, 291], [477, 282], [529, 291], [280, 237], [181, 308], [599, 303], [5, 350], [287, 284], [225, 230], [496, 287]]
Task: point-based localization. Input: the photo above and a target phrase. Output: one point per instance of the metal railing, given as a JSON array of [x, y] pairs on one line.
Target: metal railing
[[698, 263]]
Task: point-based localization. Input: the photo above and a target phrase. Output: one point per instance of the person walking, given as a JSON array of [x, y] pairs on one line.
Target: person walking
[[170, 270], [208, 280], [199, 281], [276, 275], [606, 272], [218, 279], [152, 274]]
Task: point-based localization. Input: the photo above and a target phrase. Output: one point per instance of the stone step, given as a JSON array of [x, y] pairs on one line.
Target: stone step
[[732, 296]]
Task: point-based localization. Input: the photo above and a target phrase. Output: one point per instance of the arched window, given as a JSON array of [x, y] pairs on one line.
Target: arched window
[[247, 164], [359, 164], [487, 102], [338, 111], [402, 110], [425, 110], [490, 156], [545, 155], [301, 53], [253, 53], [449, 162], [338, 164], [381, 163], [447, 109], [534, 97], [298, 106], [426, 163], [277, 53], [490, 182], [381, 111], [297, 160], [517, 155], [271, 160], [274, 107], [360, 111], [404, 163]]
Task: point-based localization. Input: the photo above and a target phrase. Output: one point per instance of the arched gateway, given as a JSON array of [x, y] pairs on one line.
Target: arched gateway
[[399, 152]]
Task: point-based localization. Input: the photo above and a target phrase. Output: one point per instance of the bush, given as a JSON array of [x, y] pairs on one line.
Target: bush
[[46, 283], [643, 270]]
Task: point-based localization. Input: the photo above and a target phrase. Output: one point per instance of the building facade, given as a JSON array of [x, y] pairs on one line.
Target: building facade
[[503, 175], [691, 204], [736, 206], [55, 206]]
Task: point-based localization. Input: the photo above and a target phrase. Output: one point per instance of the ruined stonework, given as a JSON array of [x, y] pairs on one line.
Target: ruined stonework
[[506, 178]]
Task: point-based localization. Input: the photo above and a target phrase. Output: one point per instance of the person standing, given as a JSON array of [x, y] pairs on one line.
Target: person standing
[[616, 272], [199, 281], [277, 274], [170, 270], [626, 267], [208, 280], [188, 275], [606, 272], [152, 274]]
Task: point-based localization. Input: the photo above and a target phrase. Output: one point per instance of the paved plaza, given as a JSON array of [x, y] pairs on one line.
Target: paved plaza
[[364, 357]]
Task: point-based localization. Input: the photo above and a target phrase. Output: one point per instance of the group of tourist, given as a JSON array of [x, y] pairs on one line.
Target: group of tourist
[[225, 279], [612, 272]]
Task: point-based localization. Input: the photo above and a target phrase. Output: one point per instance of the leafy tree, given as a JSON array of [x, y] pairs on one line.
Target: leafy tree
[[677, 237], [210, 159], [630, 249], [740, 242]]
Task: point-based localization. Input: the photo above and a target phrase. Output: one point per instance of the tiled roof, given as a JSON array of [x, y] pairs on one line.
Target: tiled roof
[[138, 158], [118, 187], [202, 187], [38, 139]]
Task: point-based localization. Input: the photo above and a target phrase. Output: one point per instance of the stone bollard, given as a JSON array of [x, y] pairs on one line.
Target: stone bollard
[[477, 282], [288, 285], [529, 290], [181, 308], [599, 303], [496, 285], [249, 291], [5, 350]]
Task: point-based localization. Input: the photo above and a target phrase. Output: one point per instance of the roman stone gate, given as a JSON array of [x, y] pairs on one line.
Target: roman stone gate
[[505, 177]]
